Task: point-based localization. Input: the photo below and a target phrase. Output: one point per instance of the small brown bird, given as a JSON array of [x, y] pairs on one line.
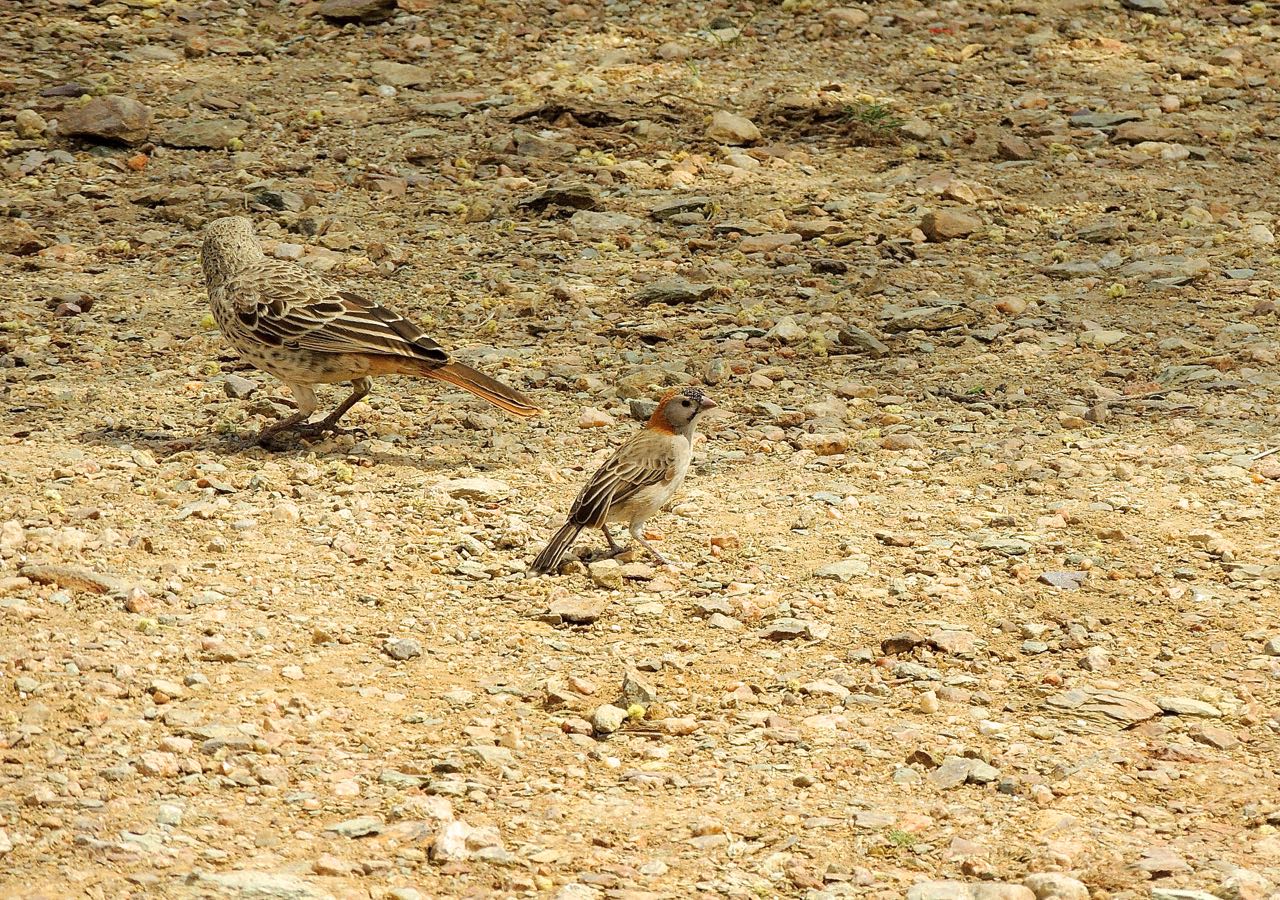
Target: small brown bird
[[292, 323], [637, 481]]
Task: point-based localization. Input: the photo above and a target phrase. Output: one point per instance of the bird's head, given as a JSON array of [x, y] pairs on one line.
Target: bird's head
[[678, 411], [229, 242]]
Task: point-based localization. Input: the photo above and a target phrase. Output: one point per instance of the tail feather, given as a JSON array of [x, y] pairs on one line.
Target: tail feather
[[549, 559], [484, 387]]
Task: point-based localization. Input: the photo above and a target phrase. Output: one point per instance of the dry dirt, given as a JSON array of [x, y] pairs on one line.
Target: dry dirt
[[1051, 639]]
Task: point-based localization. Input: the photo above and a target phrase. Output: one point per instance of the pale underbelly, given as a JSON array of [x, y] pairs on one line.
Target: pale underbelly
[[304, 366]]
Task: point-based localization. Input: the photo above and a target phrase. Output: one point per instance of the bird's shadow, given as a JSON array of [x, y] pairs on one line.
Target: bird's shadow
[[166, 443]]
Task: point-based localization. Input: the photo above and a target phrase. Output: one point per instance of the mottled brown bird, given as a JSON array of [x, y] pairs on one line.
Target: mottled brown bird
[[292, 323], [638, 480]]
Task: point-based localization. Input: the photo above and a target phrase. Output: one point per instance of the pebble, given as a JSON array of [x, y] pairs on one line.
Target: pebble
[[1055, 886], [238, 387], [729, 128], [845, 570], [595, 418], [606, 573], [576, 610], [608, 718], [29, 124], [402, 648], [479, 488]]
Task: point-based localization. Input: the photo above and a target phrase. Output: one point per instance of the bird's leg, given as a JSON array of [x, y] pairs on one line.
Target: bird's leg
[[636, 533], [360, 388], [614, 547], [306, 399]]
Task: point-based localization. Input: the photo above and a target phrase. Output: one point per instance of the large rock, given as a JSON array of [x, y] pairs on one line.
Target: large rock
[[109, 118], [728, 128]]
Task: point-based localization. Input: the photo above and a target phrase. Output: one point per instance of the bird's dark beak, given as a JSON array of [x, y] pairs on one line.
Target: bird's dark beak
[[707, 403]]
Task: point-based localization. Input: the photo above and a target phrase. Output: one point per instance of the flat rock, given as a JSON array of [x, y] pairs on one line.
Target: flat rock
[[729, 128], [576, 610], [357, 10], [1103, 120], [864, 341], [1066, 581], [788, 629], [478, 488], [359, 827], [903, 642], [598, 224], [402, 649], [843, 570], [672, 290], [204, 134], [680, 205], [767, 243], [931, 318], [109, 118], [570, 196], [1116, 706], [399, 74], [1160, 861], [253, 885], [1187, 706]]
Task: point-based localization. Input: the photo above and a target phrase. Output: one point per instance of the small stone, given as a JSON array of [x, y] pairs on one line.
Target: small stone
[[903, 642], [848, 17], [901, 442], [787, 331], [954, 643], [1260, 234], [576, 610], [672, 290], [636, 691], [931, 318], [608, 718], [238, 387], [332, 866], [1095, 659], [478, 488], [1272, 646], [357, 828], [1066, 581], [1164, 893], [205, 134], [1187, 706], [29, 124], [853, 336], [402, 648], [1160, 861], [1014, 149], [592, 417], [1155, 7], [844, 571], [109, 118], [767, 243], [946, 225], [401, 75], [827, 444], [728, 128], [788, 629], [1055, 886], [606, 573], [357, 10], [673, 50]]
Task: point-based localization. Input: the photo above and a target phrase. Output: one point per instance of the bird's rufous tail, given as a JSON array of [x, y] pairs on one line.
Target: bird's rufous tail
[[478, 383]]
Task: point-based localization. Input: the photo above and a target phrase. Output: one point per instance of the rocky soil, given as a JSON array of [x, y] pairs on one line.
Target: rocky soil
[[980, 554]]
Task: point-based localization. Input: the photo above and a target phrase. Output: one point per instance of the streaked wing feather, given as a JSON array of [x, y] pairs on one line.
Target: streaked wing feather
[[619, 479], [297, 308]]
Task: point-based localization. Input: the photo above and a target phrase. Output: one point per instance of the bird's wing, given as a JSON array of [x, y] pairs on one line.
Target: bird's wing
[[287, 305], [644, 461]]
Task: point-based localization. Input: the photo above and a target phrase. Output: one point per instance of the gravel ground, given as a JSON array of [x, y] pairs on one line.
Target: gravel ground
[[978, 596]]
